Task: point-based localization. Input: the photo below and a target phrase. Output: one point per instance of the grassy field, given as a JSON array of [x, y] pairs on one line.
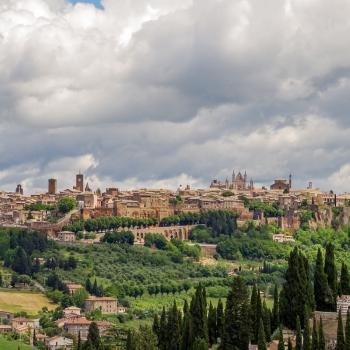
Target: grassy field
[[13, 345], [16, 301]]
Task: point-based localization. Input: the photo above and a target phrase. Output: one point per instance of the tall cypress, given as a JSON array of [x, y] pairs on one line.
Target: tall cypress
[[212, 331], [298, 340], [130, 341], [261, 336], [314, 344], [280, 340], [344, 280], [236, 321], [198, 310], [290, 345], [340, 333], [275, 320], [163, 331], [258, 313], [321, 339], [220, 318], [174, 329], [323, 297], [306, 335], [156, 326], [331, 272], [253, 315], [186, 334], [266, 315], [347, 331]]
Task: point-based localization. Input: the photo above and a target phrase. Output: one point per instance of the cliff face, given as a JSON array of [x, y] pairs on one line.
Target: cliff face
[[334, 217]]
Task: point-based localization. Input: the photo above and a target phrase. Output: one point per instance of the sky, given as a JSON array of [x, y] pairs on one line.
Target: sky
[[162, 93]]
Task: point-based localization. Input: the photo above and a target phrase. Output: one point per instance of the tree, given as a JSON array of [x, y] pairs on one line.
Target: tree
[[186, 328], [200, 344], [323, 294], [156, 326], [66, 204], [314, 344], [280, 340], [212, 330], [296, 298], [22, 263], [93, 339], [146, 339], [275, 319], [198, 311], [321, 339], [261, 337], [220, 318], [266, 314], [236, 328], [306, 335], [344, 280], [347, 331], [340, 333], [290, 346], [331, 272], [254, 314], [79, 346], [298, 340]]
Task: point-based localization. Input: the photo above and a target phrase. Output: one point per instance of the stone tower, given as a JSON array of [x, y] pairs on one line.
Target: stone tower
[[79, 182], [52, 187]]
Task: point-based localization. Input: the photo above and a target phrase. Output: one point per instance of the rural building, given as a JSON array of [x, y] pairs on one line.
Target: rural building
[[107, 305], [59, 343], [343, 303], [82, 325], [72, 310]]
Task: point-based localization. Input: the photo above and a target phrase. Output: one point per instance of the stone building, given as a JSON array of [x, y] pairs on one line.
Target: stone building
[[107, 305]]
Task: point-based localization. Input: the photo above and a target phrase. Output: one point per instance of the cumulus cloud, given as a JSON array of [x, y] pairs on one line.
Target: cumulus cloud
[[159, 93]]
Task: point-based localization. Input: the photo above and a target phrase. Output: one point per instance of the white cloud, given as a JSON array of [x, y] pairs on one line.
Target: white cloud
[[162, 92]]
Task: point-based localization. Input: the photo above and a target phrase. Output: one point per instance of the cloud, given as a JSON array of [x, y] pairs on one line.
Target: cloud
[[158, 92]]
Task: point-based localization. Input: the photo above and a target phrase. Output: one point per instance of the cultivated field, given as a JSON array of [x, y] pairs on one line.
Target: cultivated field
[[16, 301], [13, 345]]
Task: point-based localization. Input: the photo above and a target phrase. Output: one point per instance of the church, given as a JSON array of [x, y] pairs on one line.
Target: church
[[238, 182]]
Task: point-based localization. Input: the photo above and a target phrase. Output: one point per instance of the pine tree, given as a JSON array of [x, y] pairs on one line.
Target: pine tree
[[212, 331], [331, 272], [298, 341], [220, 318], [340, 333], [290, 345], [344, 280], [261, 337], [275, 320], [347, 331], [314, 344], [321, 289], [321, 339], [306, 335], [280, 340]]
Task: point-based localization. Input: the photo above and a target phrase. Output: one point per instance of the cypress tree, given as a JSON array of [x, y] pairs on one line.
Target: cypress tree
[[94, 289], [236, 322], [340, 333], [331, 272], [306, 335], [275, 320], [321, 289], [163, 331], [258, 313], [198, 310], [200, 344], [261, 337], [298, 341], [314, 344], [290, 345], [174, 329], [220, 318], [186, 333], [297, 293], [253, 315], [156, 326], [266, 315], [344, 280], [280, 340], [130, 341], [79, 342], [347, 331], [321, 339], [212, 331], [88, 286], [93, 338]]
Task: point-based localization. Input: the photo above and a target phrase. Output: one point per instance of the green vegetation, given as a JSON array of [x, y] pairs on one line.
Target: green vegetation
[[13, 345], [269, 210], [66, 204], [40, 206]]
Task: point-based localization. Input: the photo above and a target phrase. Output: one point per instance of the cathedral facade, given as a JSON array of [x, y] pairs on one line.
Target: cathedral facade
[[238, 182]]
